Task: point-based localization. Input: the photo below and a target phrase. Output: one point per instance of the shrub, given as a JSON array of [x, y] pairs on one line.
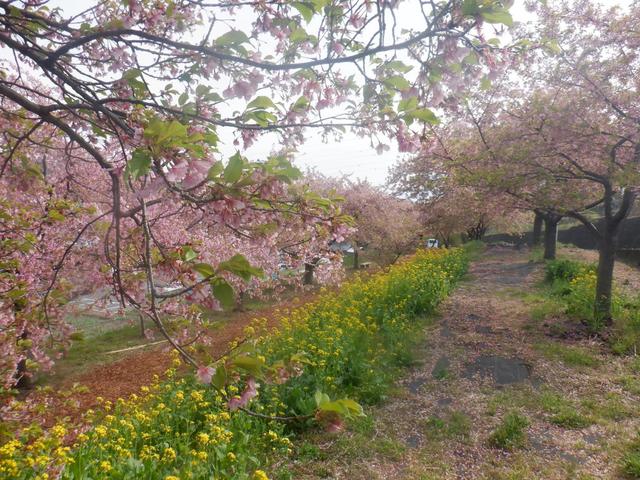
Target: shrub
[[511, 433], [575, 284], [569, 417], [348, 343], [564, 269]]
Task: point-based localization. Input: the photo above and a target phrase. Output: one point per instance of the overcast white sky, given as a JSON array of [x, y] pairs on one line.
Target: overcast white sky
[[352, 156]]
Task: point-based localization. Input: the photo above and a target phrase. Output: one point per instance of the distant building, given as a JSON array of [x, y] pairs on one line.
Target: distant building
[[344, 247]]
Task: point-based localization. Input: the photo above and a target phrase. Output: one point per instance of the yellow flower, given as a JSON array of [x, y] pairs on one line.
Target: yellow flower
[[203, 438], [169, 454], [59, 431], [197, 396], [260, 475], [231, 456], [105, 466], [171, 477]]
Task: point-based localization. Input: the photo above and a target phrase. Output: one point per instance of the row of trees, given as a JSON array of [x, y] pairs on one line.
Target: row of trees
[[557, 136], [111, 117]]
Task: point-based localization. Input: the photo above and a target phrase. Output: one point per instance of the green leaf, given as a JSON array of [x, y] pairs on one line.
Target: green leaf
[[298, 35], [223, 292], [398, 66], [485, 84], [499, 16], [188, 253], [333, 407], [408, 104], [261, 103], [553, 46], [305, 9], [131, 74], [240, 266], [397, 82], [204, 269], [470, 7], [232, 38], [425, 115], [345, 407], [219, 378], [352, 406], [215, 171], [301, 104], [261, 117], [250, 364], [233, 170], [321, 398], [139, 165], [471, 59], [55, 215], [318, 5]]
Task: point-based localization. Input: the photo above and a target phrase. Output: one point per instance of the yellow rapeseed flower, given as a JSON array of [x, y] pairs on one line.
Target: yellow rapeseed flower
[[260, 475]]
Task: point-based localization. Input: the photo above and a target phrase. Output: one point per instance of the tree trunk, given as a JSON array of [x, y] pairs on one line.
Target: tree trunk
[[141, 316], [550, 236], [356, 259], [23, 380], [445, 240], [239, 303], [309, 268], [604, 282], [537, 229], [607, 241]]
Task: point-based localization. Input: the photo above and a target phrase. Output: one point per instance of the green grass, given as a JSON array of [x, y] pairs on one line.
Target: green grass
[[474, 248], [511, 433], [545, 308], [89, 325], [563, 412], [537, 254], [609, 408], [91, 351], [455, 425], [570, 418], [631, 460], [569, 355]]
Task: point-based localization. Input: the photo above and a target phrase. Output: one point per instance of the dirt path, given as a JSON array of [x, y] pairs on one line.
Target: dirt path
[[494, 351]]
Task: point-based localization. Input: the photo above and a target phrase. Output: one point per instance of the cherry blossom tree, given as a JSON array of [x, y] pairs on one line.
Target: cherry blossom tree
[[594, 71], [112, 119], [385, 224], [564, 138], [438, 180]]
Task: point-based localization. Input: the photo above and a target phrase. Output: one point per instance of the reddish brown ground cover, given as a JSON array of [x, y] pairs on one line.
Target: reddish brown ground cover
[[132, 370]]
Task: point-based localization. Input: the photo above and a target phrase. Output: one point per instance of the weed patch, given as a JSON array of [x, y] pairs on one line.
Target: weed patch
[[455, 425], [511, 433]]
